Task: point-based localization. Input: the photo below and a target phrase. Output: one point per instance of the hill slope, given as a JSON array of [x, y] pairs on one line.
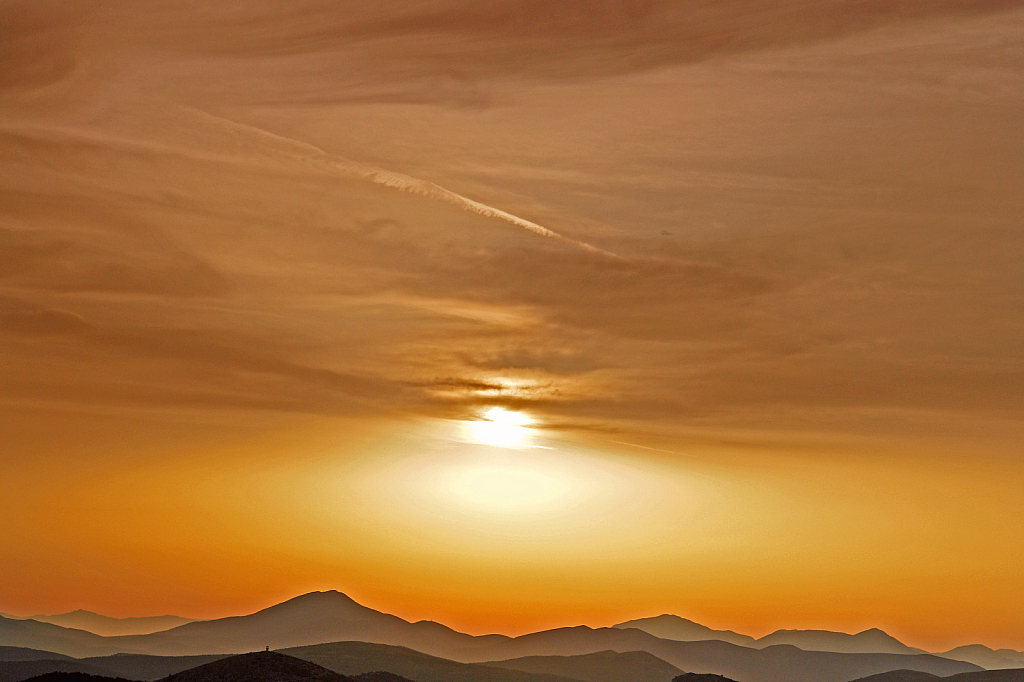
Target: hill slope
[[262, 666], [355, 658], [20, 653]]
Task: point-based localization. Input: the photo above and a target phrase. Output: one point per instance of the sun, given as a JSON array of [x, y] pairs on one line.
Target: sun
[[501, 428]]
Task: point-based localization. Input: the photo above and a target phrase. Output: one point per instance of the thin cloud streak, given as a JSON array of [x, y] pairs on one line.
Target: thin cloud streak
[[405, 183]]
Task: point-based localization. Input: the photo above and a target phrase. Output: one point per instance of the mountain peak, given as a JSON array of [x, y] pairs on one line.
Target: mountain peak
[[332, 598], [669, 626]]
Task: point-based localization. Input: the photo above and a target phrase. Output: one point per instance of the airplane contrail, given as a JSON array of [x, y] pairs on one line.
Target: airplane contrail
[[405, 183]]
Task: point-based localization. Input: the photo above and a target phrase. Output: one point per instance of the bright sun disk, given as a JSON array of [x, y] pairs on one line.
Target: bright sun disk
[[501, 428]]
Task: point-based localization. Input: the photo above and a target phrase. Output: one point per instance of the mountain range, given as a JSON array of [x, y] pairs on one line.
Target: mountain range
[[873, 641], [332, 630]]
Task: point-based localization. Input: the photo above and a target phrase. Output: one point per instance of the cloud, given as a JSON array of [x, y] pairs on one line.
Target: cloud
[[331, 234]]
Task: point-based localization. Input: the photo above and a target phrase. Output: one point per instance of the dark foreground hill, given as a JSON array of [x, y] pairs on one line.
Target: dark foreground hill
[[128, 666], [16, 671], [144, 667], [75, 677], [901, 676], [262, 666], [1005, 675], [603, 666], [701, 677]]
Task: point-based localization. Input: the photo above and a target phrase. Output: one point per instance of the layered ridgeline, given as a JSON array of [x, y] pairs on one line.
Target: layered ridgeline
[[330, 629], [668, 626], [873, 641]]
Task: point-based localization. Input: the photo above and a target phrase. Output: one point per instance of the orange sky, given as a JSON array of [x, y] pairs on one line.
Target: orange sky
[[754, 273]]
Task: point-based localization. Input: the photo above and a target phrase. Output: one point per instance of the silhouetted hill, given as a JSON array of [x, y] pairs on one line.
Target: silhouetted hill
[[1006, 675], [262, 666], [16, 671], [603, 666], [20, 653], [110, 627], [901, 676], [380, 676], [993, 659], [701, 677], [356, 658], [75, 677], [873, 641], [667, 626], [129, 666]]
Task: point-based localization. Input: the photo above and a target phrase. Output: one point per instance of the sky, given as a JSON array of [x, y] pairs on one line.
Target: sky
[[516, 314]]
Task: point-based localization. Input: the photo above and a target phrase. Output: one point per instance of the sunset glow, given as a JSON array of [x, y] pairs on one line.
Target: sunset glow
[[516, 314]]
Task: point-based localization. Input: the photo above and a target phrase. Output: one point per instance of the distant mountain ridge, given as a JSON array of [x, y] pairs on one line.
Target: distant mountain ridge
[[32, 634], [112, 627], [872, 641], [869, 641], [323, 618], [992, 659]]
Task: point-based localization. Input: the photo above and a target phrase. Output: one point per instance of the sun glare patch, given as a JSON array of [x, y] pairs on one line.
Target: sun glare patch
[[501, 428]]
